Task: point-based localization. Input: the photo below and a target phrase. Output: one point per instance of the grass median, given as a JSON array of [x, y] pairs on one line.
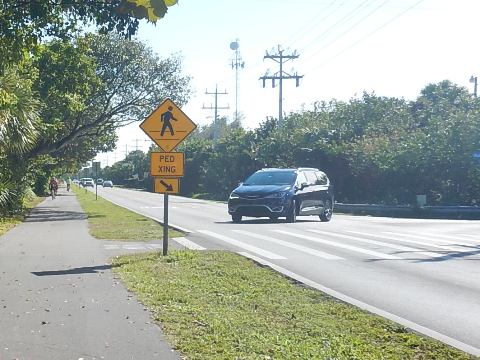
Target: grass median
[[112, 222], [219, 305]]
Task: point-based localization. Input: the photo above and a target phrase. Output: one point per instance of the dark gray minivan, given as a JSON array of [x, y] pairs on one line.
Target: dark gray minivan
[[276, 192]]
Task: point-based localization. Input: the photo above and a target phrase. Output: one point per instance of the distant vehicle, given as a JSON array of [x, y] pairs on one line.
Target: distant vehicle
[[275, 193], [108, 183], [99, 181], [87, 182]]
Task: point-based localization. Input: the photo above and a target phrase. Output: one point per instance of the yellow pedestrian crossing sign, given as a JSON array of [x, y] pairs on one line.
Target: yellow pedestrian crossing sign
[[168, 125]]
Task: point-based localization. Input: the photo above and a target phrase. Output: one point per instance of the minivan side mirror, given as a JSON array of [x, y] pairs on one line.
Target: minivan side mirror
[[240, 183]]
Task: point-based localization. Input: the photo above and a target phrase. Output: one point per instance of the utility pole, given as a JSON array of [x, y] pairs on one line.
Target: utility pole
[[236, 64], [281, 75], [216, 108], [474, 81], [136, 143]]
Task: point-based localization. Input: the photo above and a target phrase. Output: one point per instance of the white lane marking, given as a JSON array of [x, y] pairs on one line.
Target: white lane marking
[[240, 244], [429, 238], [380, 243], [188, 244], [111, 247], [442, 247], [152, 207], [304, 249], [375, 310], [343, 246]]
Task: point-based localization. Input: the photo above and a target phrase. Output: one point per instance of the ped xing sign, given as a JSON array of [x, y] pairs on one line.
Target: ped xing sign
[[168, 125], [167, 185], [167, 164]]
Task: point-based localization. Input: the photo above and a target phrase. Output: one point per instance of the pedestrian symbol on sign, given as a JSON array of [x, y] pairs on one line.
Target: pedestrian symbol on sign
[[165, 118]]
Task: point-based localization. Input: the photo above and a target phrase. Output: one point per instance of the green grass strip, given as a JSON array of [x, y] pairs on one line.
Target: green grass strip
[[112, 222], [219, 305], [9, 222]]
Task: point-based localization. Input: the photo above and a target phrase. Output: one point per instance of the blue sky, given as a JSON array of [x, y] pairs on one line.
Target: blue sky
[[345, 47]]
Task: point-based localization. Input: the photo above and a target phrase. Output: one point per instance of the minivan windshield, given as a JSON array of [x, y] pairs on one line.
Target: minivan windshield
[[271, 178]]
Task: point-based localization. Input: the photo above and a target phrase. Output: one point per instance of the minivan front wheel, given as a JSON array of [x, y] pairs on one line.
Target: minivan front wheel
[[327, 211], [237, 218], [292, 212]]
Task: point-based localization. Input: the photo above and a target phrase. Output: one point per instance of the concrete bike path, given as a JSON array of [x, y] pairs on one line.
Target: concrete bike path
[[59, 298]]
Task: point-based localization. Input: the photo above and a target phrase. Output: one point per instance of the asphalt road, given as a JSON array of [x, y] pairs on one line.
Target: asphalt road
[[424, 274]]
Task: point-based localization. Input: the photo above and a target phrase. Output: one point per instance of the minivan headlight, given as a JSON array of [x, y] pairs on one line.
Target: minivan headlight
[[234, 196]]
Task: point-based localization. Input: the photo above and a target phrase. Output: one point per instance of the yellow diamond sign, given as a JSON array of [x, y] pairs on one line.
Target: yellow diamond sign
[[168, 125]]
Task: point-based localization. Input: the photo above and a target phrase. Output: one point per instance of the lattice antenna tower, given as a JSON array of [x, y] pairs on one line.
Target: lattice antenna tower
[[237, 63]]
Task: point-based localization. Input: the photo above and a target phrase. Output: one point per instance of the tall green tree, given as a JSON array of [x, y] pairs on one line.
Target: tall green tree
[[19, 118], [24, 24], [96, 84]]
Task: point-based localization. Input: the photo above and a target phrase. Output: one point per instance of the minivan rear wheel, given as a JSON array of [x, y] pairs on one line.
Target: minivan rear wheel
[[327, 211], [292, 212]]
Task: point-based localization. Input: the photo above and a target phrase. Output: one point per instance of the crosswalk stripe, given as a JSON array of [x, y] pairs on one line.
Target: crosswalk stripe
[[134, 247], [476, 237], [243, 245], [304, 249], [439, 241], [402, 239], [343, 246], [380, 243], [455, 237], [188, 244]]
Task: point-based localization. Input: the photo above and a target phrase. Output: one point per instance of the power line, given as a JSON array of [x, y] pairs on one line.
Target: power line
[[314, 21], [258, 63], [369, 34], [338, 22], [351, 27]]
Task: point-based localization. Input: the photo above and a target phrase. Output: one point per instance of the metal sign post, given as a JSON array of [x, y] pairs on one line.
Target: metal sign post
[[96, 166], [165, 224]]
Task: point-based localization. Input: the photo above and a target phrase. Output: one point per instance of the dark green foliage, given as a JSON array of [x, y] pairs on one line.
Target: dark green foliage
[[375, 149], [24, 24]]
